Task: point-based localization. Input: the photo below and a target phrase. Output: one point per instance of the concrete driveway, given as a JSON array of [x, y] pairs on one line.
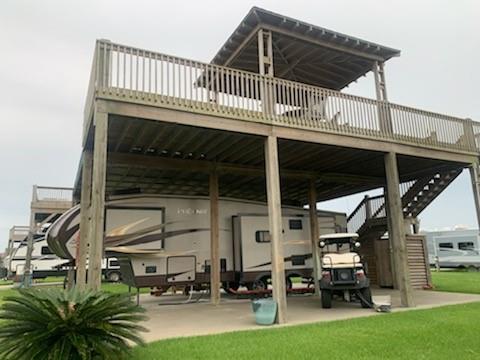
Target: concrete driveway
[[201, 318]]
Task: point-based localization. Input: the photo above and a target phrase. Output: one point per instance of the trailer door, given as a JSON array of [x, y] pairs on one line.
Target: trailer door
[[180, 269]]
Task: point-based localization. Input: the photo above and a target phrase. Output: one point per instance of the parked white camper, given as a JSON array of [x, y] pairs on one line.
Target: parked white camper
[[44, 261], [165, 240], [454, 249]]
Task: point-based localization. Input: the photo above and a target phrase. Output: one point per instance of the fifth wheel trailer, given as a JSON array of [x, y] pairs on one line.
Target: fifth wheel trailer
[[165, 240], [44, 261]]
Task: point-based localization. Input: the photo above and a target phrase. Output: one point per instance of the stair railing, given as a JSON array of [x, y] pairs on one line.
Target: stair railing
[[373, 207]]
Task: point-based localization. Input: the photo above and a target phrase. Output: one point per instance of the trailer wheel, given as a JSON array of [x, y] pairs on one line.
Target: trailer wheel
[[260, 284], [113, 276], [326, 299], [288, 283], [229, 286], [366, 299]]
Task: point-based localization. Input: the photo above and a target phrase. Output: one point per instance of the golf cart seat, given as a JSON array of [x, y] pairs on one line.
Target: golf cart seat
[[349, 259]]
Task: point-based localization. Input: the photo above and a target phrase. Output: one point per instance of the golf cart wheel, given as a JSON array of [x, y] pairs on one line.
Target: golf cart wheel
[[326, 299], [472, 268], [366, 299], [113, 276]]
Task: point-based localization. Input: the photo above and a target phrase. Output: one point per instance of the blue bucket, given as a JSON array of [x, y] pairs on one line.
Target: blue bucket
[[265, 311]]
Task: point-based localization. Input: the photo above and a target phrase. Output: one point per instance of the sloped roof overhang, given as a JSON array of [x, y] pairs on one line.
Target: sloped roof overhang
[[302, 52]]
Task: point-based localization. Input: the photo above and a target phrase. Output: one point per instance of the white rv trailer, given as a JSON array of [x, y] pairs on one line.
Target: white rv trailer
[[44, 261], [165, 240], [17, 235], [454, 248]]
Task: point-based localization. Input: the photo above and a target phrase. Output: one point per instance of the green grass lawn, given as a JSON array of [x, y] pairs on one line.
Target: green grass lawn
[[5, 282], [108, 287], [37, 281], [442, 333], [457, 281], [449, 332]]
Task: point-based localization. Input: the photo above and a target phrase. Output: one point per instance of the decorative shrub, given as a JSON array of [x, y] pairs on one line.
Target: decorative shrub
[[55, 324]]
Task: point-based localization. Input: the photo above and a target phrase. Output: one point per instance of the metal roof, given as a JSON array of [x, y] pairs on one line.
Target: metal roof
[[302, 52]]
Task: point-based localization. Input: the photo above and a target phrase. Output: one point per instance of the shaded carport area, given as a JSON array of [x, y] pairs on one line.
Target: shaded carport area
[[155, 157]]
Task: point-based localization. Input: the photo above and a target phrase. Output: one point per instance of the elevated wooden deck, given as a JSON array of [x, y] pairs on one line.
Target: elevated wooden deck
[[167, 125], [134, 81]]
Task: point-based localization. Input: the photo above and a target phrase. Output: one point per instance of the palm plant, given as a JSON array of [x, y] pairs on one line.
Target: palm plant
[[51, 324]]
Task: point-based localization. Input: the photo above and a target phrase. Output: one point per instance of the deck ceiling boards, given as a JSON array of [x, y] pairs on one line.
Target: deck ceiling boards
[[302, 52], [130, 135], [167, 158]]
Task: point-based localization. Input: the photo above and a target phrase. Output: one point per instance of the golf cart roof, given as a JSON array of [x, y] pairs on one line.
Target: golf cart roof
[[339, 236]]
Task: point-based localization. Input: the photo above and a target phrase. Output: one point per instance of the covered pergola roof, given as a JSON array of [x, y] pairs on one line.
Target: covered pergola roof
[[302, 52]]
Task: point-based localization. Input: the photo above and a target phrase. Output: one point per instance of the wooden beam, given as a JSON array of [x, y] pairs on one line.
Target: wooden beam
[[207, 166], [275, 225], [289, 67], [474, 176], [98, 200], [314, 234], [326, 44], [241, 46], [324, 137], [396, 230], [261, 54], [85, 202], [28, 275], [214, 240]]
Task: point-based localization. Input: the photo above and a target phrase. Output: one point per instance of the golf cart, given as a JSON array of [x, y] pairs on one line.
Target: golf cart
[[342, 270]]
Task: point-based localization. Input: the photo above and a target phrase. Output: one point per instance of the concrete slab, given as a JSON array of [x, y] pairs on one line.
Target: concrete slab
[[202, 318]]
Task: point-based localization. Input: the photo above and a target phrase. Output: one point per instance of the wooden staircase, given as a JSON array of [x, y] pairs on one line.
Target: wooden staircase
[[369, 217], [370, 222]]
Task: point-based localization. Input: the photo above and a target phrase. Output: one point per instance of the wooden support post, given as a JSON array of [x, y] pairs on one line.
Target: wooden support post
[[85, 202], [70, 278], [368, 207], [265, 67], [474, 175], [384, 116], [390, 243], [396, 230], [314, 234], [416, 226], [469, 135], [214, 241], [27, 271], [275, 225], [265, 62], [98, 200]]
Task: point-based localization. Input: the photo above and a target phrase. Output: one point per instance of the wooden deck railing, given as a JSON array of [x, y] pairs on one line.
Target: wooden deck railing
[[138, 75], [47, 193]]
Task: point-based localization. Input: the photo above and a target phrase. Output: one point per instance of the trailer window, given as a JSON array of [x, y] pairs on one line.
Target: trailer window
[[114, 263], [295, 224], [298, 260], [150, 269], [46, 250], [445, 246], [262, 236], [466, 246]]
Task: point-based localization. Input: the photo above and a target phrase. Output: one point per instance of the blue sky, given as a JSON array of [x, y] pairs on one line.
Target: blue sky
[[48, 46]]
